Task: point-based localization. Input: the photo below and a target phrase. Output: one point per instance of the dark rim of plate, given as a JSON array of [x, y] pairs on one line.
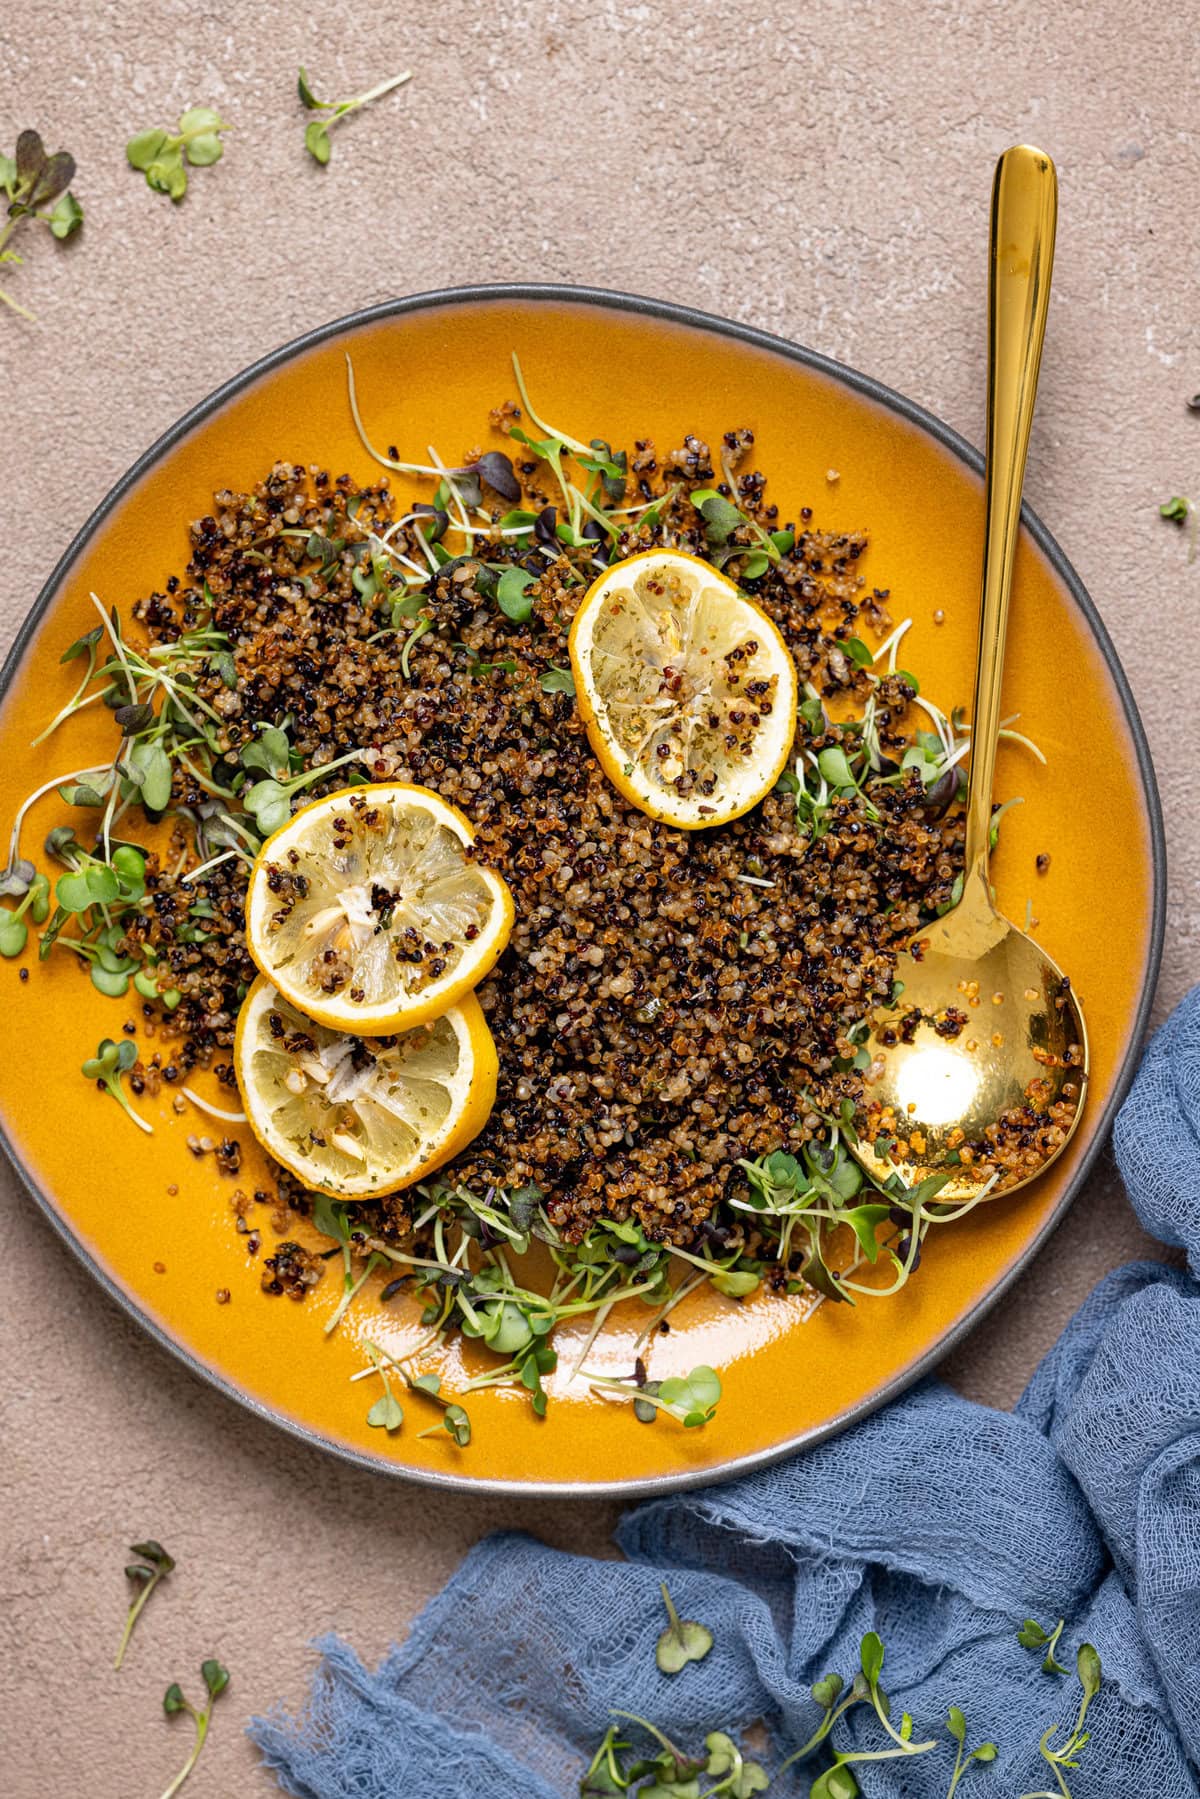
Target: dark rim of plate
[[561, 295]]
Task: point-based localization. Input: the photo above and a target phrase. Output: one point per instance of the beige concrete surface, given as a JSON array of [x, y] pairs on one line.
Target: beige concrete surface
[[819, 170]]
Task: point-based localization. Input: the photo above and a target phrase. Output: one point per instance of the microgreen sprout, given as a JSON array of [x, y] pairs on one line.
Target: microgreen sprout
[[316, 135], [153, 1565], [106, 1067], [965, 1758], [734, 1775], [1032, 1636], [454, 1420], [683, 1640], [37, 186], [1182, 512], [387, 1413], [330, 1217], [162, 155], [691, 1398], [216, 1679], [269, 801], [1068, 1752]]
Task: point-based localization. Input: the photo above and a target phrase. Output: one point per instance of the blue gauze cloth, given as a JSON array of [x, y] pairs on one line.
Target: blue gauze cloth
[[936, 1522]]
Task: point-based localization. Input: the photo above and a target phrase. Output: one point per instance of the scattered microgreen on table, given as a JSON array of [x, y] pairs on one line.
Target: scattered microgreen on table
[[163, 156], [1065, 1756], [956, 1724], [683, 1640], [1181, 511], [38, 188], [152, 1566], [1032, 1636], [216, 1679], [316, 136]]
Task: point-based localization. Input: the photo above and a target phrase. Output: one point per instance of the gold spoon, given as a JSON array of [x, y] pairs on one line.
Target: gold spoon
[[986, 1025]]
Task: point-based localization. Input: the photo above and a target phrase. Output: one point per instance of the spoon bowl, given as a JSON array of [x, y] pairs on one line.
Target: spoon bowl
[[979, 1061], [985, 1046]]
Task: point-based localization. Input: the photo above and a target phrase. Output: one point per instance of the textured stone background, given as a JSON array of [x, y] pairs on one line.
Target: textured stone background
[[819, 170]]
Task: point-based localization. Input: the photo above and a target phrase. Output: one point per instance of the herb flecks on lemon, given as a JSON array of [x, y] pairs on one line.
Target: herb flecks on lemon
[[357, 1116], [369, 913], [686, 688]]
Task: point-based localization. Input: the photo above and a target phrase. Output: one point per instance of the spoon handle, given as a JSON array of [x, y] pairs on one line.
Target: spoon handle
[[1024, 214]]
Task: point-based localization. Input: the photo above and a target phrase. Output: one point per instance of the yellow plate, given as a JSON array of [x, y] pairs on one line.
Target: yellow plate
[[154, 1223]]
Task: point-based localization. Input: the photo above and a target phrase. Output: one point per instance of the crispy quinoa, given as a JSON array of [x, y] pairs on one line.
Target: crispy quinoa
[[670, 1001]]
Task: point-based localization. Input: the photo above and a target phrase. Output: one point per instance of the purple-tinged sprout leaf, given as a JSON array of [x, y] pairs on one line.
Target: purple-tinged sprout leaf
[[496, 469]]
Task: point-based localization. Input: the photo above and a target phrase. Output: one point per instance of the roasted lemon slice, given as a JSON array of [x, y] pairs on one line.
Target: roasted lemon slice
[[686, 688], [358, 1116], [367, 911]]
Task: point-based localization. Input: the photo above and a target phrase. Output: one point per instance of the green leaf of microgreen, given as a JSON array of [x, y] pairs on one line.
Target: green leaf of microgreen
[[737, 1778], [864, 1221], [316, 141], [145, 147], [721, 517], [735, 1283], [1087, 1664], [215, 1677], [817, 1274], [308, 98], [386, 1414], [154, 1566], [1176, 508], [458, 1424], [65, 218], [558, 680], [200, 128], [835, 766], [827, 1691], [14, 933], [871, 1657], [683, 1640], [611, 465], [512, 595], [329, 1217], [836, 1783]]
